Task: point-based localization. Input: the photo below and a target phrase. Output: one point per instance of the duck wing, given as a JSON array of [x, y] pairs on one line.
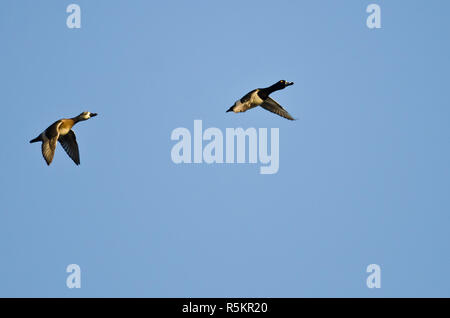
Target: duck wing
[[272, 106], [70, 145], [50, 136], [48, 149]]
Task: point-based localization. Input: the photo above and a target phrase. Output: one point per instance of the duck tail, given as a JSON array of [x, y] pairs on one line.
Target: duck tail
[[230, 109], [38, 138]]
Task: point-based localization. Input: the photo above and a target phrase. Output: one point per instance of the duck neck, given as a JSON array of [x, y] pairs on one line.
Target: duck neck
[[76, 119], [269, 90]]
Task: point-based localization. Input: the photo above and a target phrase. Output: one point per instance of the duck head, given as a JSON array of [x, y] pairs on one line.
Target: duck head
[[86, 115], [277, 86], [282, 84]]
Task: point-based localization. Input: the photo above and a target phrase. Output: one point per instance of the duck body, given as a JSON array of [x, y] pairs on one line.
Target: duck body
[[64, 126], [260, 97], [249, 101], [61, 130]]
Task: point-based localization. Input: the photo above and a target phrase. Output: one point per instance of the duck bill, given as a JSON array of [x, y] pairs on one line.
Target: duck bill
[[289, 83], [93, 114]]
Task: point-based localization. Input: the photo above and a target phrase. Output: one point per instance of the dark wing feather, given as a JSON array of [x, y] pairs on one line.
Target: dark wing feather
[[69, 143], [272, 106]]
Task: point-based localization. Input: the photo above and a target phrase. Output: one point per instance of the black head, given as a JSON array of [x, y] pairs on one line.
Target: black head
[[275, 87], [282, 84], [265, 92]]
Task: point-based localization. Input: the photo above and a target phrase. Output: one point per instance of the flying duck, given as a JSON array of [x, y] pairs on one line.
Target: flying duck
[[61, 131], [260, 97]]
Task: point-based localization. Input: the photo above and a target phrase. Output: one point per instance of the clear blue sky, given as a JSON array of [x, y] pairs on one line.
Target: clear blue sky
[[364, 172]]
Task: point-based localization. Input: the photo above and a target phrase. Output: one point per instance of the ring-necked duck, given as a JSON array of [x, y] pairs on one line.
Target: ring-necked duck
[[260, 97]]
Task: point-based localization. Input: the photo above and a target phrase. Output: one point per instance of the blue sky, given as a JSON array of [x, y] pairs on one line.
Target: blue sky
[[364, 171]]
